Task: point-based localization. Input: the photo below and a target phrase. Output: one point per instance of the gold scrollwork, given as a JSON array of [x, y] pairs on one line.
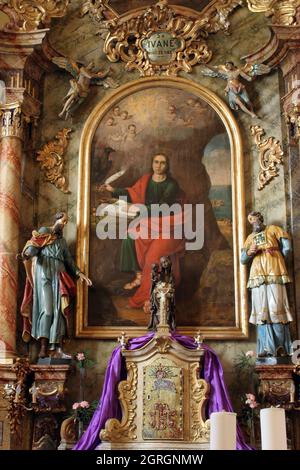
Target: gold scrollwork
[[163, 343], [33, 13], [127, 33], [199, 397], [124, 431], [51, 160], [125, 39], [270, 155], [98, 10], [16, 395], [279, 391], [283, 11]]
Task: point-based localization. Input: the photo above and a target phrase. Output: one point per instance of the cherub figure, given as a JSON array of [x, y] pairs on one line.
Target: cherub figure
[[235, 90], [84, 77]]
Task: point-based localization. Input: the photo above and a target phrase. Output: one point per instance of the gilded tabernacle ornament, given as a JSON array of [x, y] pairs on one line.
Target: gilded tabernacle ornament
[[269, 154], [160, 39], [52, 162]]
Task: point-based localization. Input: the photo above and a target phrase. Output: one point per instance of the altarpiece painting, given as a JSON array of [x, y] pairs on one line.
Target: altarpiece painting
[[195, 129]]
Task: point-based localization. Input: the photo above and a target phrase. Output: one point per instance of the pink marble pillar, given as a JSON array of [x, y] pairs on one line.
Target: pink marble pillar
[[10, 190]]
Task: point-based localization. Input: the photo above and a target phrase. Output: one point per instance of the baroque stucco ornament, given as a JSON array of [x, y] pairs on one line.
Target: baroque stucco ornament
[[283, 12], [160, 39], [270, 155], [52, 162], [29, 15]]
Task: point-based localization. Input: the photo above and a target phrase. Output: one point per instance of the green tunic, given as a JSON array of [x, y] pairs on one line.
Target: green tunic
[[164, 192], [47, 318]]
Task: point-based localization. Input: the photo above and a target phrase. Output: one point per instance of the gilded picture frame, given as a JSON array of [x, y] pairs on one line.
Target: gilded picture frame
[[238, 328]]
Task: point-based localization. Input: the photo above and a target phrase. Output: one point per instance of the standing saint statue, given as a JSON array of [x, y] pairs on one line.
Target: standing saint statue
[[266, 247], [49, 287]]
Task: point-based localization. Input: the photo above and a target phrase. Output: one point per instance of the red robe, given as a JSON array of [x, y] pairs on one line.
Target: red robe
[[149, 250]]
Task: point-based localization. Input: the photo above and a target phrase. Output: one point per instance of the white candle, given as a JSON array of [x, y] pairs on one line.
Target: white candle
[[223, 431], [273, 429]]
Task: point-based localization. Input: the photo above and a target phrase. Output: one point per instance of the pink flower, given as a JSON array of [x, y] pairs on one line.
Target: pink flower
[[75, 405], [80, 356], [84, 404], [250, 354]]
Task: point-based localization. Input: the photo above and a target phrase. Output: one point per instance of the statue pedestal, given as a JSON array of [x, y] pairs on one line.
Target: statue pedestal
[[33, 404], [272, 361], [280, 385], [54, 361], [48, 404]]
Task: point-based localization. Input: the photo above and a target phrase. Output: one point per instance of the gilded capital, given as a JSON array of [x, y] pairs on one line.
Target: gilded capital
[[12, 120], [30, 15]]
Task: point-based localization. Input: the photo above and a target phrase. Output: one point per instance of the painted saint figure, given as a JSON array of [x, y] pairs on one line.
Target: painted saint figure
[[139, 255], [49, 287], [266, 247]]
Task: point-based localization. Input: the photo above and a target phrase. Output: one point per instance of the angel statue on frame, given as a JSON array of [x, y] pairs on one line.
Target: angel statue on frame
[[235, 90], [84, 77]]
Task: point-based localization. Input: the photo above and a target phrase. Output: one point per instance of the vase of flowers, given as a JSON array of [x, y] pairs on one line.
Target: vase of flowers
[[83, 363], [82, 413], [250, 413]]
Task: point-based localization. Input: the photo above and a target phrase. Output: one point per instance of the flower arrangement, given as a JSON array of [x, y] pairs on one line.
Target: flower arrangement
[[249, 412], [83, 363], [83, 411], [247, 380], [83, 360]]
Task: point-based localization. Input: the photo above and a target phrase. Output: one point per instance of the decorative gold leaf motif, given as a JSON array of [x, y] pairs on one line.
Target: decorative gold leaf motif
[[52, 162], [128, 33], [122, 431], [31, 14], [199, 396], [283, 12], [16, 395], [269, 154], [163, 343]]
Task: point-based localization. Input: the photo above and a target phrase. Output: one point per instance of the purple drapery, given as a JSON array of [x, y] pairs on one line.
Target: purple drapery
[[109, 406]]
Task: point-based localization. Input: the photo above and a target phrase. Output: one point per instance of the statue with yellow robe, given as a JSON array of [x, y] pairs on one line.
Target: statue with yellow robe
[[265, 248]]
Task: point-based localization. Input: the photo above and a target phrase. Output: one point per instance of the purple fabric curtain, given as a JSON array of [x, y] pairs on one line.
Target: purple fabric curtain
[[109, 406]]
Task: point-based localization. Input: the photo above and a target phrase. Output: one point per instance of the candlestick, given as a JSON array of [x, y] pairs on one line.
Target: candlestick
[[223, 431], [273, 429]]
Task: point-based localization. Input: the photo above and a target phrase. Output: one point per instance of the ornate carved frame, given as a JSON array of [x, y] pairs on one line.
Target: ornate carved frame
[[240, 330]]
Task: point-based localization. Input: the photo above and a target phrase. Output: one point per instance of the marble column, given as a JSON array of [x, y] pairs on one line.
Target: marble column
[[10, 190], [290, 67]]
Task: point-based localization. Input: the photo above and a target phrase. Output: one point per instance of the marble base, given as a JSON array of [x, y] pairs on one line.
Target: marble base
[[272, 361], [51, 361]]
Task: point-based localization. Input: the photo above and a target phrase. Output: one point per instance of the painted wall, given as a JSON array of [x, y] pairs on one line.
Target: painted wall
[[75, 37]]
